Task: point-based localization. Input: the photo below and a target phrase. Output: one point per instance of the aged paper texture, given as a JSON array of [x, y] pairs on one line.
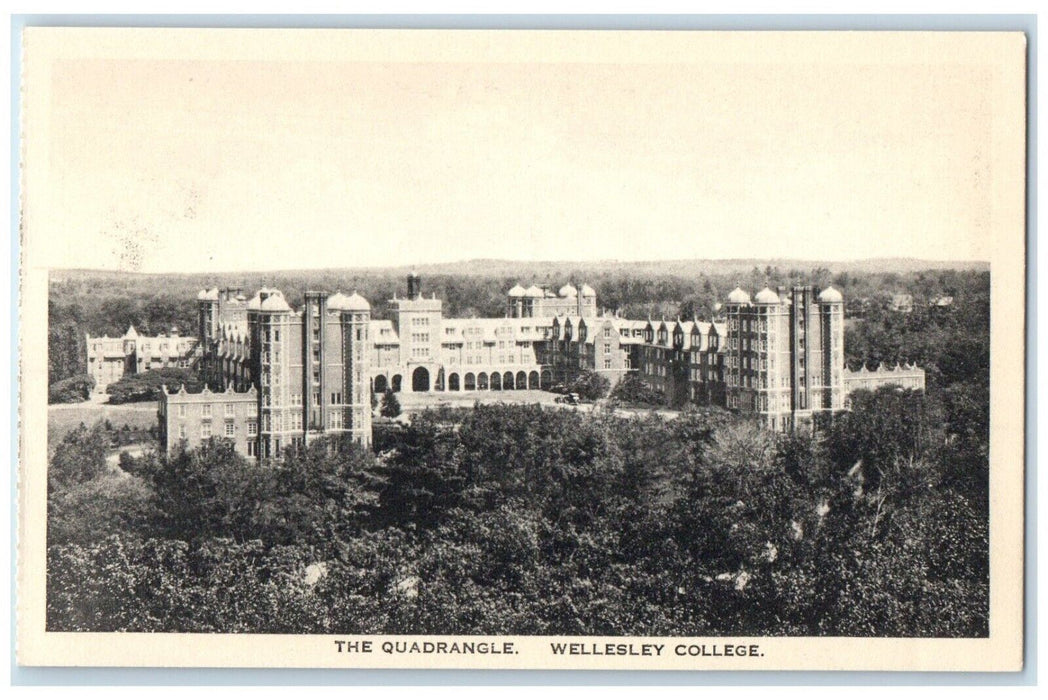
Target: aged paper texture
[[824, 498]]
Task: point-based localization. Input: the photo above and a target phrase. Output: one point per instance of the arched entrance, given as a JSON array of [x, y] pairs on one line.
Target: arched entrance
[[547, 378], [453, 382], [380, 384], [470, 382], [482, 381], [507, 381], [522, 380], [496, 381], [533, 380], [420, 379], [396, 383]]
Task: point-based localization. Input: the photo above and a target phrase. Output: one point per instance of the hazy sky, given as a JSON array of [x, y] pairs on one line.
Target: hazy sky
[[210, 164]]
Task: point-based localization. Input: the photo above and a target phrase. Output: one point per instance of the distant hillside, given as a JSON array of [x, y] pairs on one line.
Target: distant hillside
[[554, 270]]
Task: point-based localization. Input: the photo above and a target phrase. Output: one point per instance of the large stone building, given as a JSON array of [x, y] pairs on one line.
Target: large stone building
[[110, 359], [308, 369], [778, 356]]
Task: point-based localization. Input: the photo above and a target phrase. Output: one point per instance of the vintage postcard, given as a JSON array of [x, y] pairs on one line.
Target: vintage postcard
[[522, 349]]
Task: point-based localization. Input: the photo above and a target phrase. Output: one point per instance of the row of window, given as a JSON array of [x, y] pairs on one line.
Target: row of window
[[206, 410], [229, 430]]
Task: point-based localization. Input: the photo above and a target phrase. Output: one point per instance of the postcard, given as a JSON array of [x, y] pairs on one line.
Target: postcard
[[522, 349]]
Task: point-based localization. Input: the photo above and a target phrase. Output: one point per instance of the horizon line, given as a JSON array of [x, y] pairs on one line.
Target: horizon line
[[467, 261]]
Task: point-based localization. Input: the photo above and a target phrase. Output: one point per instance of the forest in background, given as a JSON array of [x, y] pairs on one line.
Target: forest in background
[[525, 520]]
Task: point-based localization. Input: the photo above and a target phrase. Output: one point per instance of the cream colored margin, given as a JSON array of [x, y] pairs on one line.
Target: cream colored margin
[[1005, 53]]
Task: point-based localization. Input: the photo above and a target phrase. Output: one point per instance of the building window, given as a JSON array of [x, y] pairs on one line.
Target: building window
[[205, 431], [230, 410], [182, 410], [607, 363], [206, 408], [230, 430], [182, 432], [252, 427]]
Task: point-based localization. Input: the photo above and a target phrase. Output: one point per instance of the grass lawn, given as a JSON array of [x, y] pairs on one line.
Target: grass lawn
[[63, 418]]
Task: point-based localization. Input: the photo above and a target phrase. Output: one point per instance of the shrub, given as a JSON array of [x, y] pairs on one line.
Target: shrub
[[589, 385], [71, 390], [146, 386], [633, 390]]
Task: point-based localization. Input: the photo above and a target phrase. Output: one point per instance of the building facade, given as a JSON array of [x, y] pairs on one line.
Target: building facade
[[307, 371], [191, 419], [778, 355], [110, 359]]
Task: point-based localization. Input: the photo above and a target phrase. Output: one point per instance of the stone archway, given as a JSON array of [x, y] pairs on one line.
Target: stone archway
[[482, 381], [470, 382], [420, 379], [380, 384], [522, 380], [453, 382], [396, 383], [547, 378], [507, 381], [533, 380], [496, 381]]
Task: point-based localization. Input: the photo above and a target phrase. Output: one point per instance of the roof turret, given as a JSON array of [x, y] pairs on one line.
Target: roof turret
[[737, 296], [355, 302], [767, 296], [831, 295]]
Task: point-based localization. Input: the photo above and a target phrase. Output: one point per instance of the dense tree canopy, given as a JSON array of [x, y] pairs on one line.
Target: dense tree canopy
[[530, 520]]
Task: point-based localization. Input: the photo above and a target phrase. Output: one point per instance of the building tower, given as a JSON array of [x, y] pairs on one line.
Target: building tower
[[315, 357], [806, 350], [417, 321], [207, 316], [354, 413], [515, 302], [271, 328], [831, 314]]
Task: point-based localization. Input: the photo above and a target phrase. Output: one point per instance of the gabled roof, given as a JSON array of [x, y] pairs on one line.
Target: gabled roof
[[376, 326]]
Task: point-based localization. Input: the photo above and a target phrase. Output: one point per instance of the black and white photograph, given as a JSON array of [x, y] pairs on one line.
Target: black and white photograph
[[522, 349]]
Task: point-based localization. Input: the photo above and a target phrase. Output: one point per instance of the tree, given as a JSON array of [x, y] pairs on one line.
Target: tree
[[66, 348], [78, 458], [148, 385], [632, 390], [108, 504], [390, 405], [71, 390], [211, 491], [589, 385]]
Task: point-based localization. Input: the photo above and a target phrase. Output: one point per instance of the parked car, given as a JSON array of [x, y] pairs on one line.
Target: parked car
[[570, 399]]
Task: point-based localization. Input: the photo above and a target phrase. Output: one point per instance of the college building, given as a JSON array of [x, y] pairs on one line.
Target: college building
[[288, 376], [110, 359]]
